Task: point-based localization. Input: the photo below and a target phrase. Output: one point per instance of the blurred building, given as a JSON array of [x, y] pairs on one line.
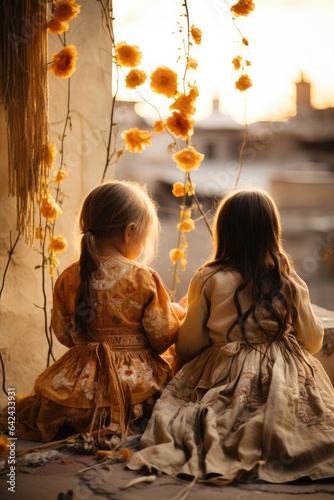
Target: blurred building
[[292, 159]]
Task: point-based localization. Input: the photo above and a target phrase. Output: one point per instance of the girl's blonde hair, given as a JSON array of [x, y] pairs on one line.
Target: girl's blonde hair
[[247, 238], [106, 212]]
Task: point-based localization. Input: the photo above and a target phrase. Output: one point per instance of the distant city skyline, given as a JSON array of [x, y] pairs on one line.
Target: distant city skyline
[[286, 38]]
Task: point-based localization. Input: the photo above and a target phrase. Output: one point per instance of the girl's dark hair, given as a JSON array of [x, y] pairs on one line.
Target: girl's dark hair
[[106, 212], [247, 239]]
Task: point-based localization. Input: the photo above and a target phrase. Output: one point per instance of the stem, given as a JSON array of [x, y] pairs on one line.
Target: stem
[[10, 253], [244, 142], [107, 13]]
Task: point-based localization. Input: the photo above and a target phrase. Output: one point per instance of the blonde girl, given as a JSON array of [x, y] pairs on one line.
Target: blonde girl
[[115, 316]]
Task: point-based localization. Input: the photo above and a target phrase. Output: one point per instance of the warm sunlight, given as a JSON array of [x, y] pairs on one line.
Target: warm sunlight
[[285, 39]]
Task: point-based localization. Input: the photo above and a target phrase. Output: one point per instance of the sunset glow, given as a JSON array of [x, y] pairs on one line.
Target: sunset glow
[[286, 38]]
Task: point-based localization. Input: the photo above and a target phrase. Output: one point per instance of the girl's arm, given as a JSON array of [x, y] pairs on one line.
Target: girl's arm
[[194, 334], [308, 329], [160, 321], [61, 319]]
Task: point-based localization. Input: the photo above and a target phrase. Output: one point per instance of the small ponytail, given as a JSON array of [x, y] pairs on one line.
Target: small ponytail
[[88, 263]]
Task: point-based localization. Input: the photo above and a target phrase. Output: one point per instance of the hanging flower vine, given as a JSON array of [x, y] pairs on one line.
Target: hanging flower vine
[[244, 82], [62, 65]]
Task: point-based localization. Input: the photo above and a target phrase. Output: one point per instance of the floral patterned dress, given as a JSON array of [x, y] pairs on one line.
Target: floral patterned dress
[[113, 381], [239, 411]]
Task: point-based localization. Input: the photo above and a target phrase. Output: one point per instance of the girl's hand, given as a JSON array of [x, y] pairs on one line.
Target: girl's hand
[[183, 302], [179, 310]]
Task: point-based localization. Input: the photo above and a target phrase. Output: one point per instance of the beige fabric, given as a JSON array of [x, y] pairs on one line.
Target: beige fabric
[[234, 410]]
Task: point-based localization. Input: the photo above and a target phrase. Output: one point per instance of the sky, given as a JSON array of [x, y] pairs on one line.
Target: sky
[[286, 38]]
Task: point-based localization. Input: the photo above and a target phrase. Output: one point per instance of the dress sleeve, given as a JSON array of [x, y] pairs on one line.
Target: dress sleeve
[[159, 319], [194, 334], [61, 318], [308, 329]]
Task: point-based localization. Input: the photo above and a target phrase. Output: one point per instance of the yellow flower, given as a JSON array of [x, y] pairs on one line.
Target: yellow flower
[[135, 78], [243, 83], [57, 244], [192, 63], [243, 8], [127, 55], [49, 153], [179, 126], [185, 104], [164, 81], [245, 41], [196, 34], [39, 233], [59, 176], [159, 126], [123, 454], [63, 62], [176, 254], [188, 159], [136, 140], [184, 262], [52, 271], [179, 189], [49, 208], [57, 27], [248, 63], [237, 62], [185, 213], [65, 10], [191, 188], [186, 225]]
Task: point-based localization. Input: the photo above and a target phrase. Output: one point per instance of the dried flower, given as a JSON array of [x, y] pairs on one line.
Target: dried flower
[[243, 8], [159, 126], [65, 10], [136, 140], [57, 27], [191, 188], [196, 34], [59, 176], [124, 454], [127, 55], [57, 243], [49, 208], [39, 233], [179, 189], [176, 254], [164, 81], [63, 62], [237, 62], [188, 159], [135, 78], [49, 153], [245, 41], [185, 213], [192, 63], [180, 126], [185, 104], [243, 83], [186, 225]]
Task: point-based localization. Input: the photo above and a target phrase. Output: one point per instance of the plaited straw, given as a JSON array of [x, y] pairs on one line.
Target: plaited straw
[[24, 92]]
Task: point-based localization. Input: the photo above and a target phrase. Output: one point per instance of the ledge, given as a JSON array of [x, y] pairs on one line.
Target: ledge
[[326, 354]]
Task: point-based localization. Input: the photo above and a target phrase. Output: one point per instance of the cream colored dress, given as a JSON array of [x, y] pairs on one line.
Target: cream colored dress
[[113, 381], [236, 411]]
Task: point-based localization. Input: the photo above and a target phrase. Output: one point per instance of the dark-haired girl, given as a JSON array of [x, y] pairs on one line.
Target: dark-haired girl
[[251, 402]]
